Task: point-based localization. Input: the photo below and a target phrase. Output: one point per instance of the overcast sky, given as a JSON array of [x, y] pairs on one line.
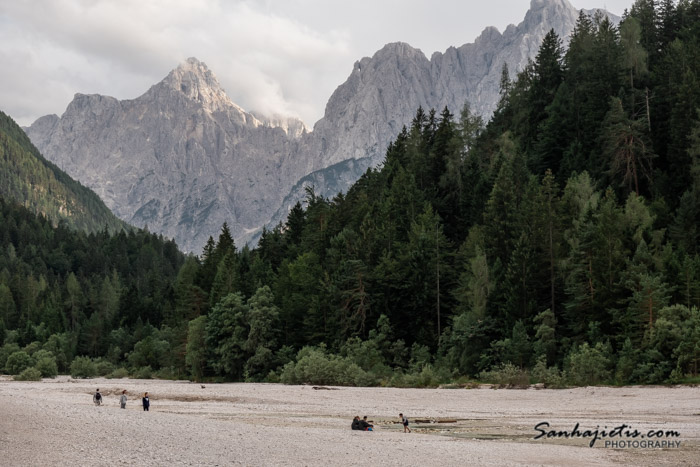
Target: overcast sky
[[284, 56]]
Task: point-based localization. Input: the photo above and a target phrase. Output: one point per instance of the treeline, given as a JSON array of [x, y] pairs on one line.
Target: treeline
[[558, 243], [72, 293]]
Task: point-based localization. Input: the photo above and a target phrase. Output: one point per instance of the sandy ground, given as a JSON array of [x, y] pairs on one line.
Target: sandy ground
[[54, 422]]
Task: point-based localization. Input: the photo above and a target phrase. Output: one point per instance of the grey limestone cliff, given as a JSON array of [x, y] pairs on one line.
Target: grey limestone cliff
[[181, 159]]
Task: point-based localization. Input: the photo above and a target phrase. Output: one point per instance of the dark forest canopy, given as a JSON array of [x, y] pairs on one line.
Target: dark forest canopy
[[556, 243]]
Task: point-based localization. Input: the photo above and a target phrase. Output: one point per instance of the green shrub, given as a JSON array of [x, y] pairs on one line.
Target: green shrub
[[83, 367], [12, 337], [653, 368], [41, 353], [259, 364], [167, 373], [118, 373], [58, 345], [149, 351], [420, 356], [272, 377], [397, 380], [627, 362], [551, 377], [47, 366], [32, 347], [17, 362], [366, 354], [314, 366], [103, 367], [588, 365], [427, 377], [29, 374], [677, 377], [353, 375], [145, 372], [466, 382], [5, 351], [507, 376]]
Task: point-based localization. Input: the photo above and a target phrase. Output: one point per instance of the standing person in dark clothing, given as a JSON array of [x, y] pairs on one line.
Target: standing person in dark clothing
[[97, 398], [356, 423], [146, 402]]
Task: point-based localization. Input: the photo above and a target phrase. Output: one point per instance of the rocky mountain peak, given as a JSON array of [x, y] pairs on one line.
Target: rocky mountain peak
[[398, 49], [488, 35], [194, 79], [197, 83], [537, 5], [547, 10]]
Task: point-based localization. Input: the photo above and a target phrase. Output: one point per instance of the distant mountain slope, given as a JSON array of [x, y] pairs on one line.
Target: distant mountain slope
[[30, 180]]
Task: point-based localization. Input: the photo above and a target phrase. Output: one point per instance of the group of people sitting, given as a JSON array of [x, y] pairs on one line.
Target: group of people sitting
[[361, 424], [364, 425]]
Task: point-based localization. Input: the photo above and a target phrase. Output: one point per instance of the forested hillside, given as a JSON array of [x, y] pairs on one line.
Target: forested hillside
[[29, 179], [557, 243]]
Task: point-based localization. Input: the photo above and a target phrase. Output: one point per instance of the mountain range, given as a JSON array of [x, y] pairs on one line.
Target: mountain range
[[182, 159]]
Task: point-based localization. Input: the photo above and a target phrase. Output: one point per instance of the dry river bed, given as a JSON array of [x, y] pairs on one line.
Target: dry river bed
[[54, 422]]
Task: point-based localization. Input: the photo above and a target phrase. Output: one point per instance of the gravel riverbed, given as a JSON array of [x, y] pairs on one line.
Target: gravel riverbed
[[54, 422]]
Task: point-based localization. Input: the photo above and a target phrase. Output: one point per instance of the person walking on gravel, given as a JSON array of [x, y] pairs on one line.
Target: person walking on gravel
[[146, 402], [404, 421], [122, 400]]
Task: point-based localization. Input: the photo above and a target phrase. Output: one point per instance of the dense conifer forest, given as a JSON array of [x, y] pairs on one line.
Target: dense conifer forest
[[556, 243]]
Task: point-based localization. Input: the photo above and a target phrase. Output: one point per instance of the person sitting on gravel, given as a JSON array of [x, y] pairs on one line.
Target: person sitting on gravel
[[356, 423], [97, 397], [365, 425]]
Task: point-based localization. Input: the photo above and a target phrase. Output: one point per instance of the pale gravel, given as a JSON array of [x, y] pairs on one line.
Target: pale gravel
[[54, 422]]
